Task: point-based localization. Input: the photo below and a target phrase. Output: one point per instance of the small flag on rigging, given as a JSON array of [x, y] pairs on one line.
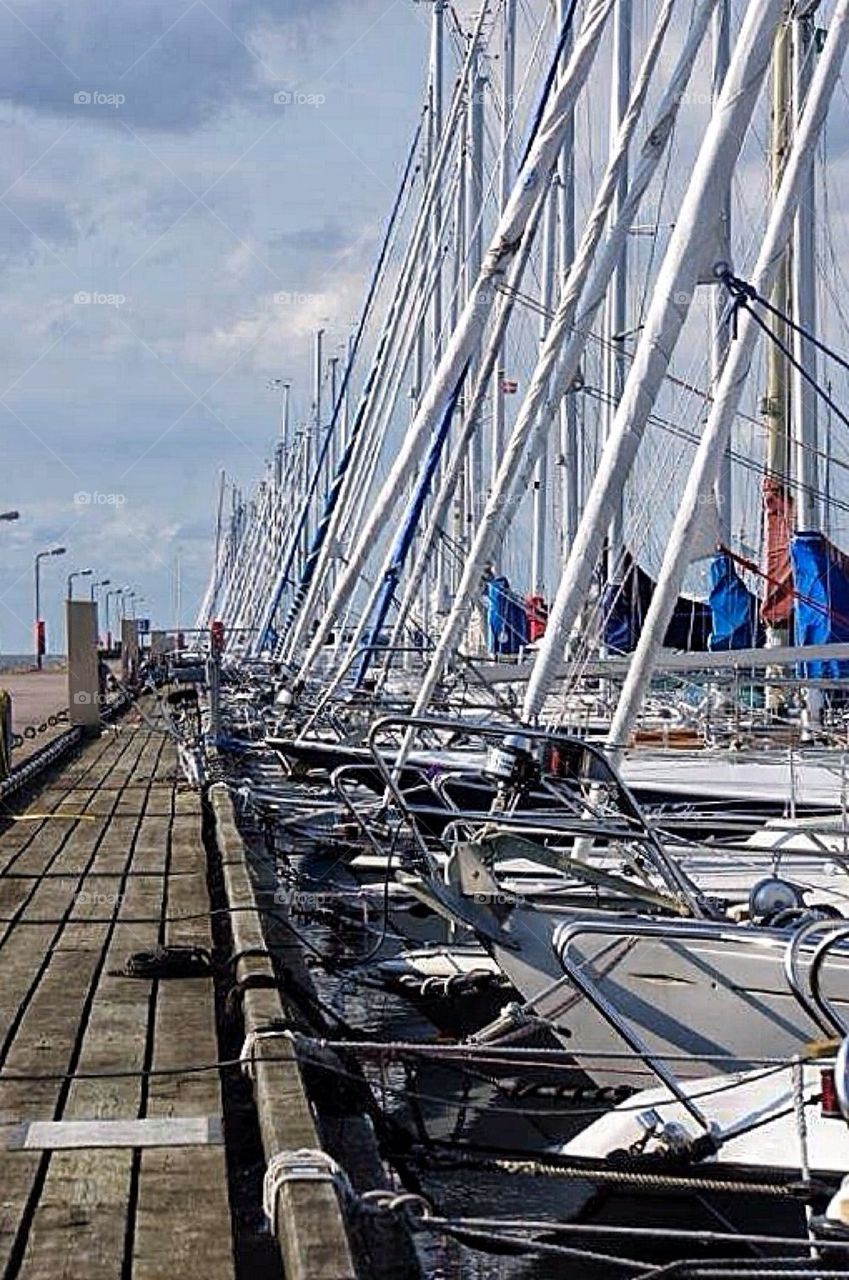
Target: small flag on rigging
[[509, 386]]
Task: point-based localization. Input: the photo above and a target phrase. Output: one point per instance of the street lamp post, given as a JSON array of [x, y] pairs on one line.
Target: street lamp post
[[116, 591], [39, 634], [77, 572], [95, 587]]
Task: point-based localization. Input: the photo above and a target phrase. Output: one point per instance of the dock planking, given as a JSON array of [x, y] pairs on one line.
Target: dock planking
[[114, 849]]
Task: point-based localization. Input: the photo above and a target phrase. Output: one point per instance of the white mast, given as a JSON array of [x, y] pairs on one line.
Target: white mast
[[702, 476], [378, 380], [803, 396], [569, 455], [560, 358], [540, 505], [674, 287], [615, 319], [474, 258], [721, 52], [505, 182], [473, 320]]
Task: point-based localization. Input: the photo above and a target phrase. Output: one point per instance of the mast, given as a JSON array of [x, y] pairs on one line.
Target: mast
[[615, 319], [581, 297], [540, 505], [778, 597], [804, 399], [771, 260], [721, 53], [568, 409], [465, 340], [674, 287], [474, 259], [505, 179]]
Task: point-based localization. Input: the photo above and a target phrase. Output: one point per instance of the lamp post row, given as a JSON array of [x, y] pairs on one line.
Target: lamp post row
[[119, 592]]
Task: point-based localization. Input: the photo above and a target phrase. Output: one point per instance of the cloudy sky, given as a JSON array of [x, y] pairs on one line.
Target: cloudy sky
[[170, 234]]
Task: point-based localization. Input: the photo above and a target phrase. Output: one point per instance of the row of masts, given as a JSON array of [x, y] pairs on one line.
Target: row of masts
[[323, 550]]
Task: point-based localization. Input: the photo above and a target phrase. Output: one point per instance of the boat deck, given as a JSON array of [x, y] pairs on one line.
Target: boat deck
[[92, 871]]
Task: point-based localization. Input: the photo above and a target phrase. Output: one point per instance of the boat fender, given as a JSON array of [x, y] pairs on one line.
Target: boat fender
[[838, 1206]]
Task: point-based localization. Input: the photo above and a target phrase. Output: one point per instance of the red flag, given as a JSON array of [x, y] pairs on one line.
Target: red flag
[[509, 386]]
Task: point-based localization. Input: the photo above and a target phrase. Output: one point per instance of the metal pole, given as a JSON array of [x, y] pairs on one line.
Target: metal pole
[[776, 400], [804, 400], [568, 408], [615, 320], [714, 437], [466, 338], [38, 659], [721, 54], [540, 511], [676, 282], [581, 296], [505, 175]]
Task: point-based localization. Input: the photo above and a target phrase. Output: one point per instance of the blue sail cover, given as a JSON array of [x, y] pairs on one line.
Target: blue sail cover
[[625, 605], [735, 620], [507, 619], [821, 615]]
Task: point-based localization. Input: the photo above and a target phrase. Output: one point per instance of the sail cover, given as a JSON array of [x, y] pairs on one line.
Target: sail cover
[[777, 605], [733, 608], [507, 618], [626, 603], [821, 615]]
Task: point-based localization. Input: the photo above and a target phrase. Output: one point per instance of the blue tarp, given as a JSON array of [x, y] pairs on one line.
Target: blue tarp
[[625, 605], [507, 619], [734, 608], [821, 615]]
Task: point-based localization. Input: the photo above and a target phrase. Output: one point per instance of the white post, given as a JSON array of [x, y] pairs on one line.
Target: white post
[[673, 291], [473, 320], [708, 455]]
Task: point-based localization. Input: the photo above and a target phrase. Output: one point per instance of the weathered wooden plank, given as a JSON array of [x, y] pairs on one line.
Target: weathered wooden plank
[[311, 1226], [178, 1231]]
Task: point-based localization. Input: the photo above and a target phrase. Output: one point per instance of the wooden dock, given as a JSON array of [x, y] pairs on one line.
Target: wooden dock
[[93, 870]]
